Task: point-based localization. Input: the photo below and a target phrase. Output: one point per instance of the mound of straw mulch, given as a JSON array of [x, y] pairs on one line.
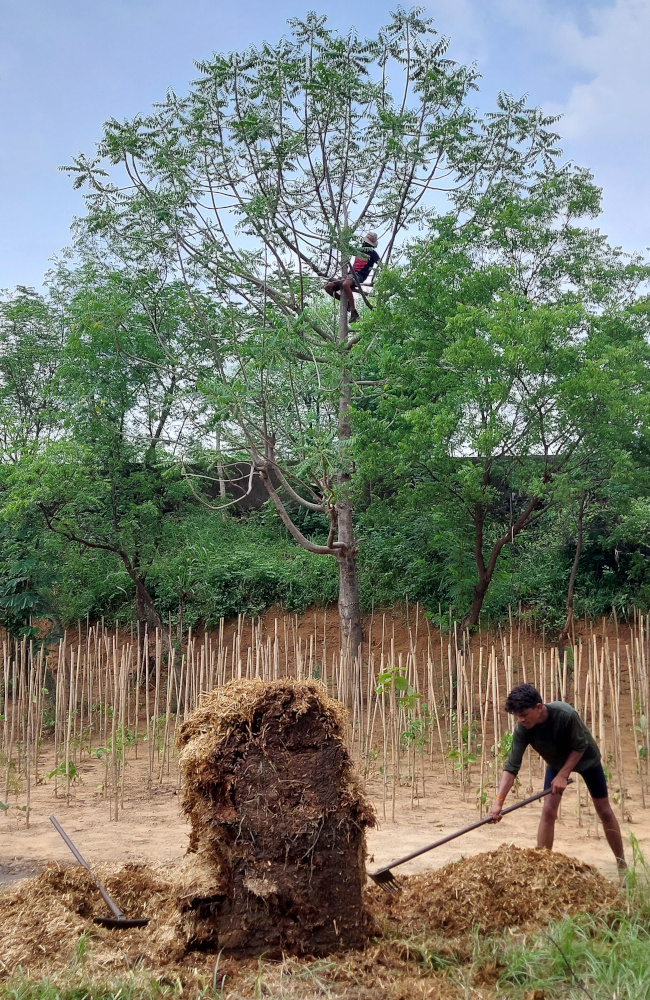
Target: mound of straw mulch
[[46, 930], [506, 888], [278, 821], [44, 920]]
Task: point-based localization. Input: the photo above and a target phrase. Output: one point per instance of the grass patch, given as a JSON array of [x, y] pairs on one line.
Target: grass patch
[[601, 956], [580, 957], [134, 987]]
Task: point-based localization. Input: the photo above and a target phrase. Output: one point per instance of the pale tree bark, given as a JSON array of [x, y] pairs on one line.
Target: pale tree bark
[[564, 634], [341, 542], [349, 610]]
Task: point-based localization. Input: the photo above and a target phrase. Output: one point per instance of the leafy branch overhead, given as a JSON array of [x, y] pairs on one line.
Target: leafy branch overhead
[[261, 179]]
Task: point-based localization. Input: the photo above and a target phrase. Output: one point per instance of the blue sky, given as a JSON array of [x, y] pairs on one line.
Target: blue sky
[[68, 65]]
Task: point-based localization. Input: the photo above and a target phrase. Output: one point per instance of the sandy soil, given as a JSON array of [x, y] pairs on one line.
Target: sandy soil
[[152, 828]]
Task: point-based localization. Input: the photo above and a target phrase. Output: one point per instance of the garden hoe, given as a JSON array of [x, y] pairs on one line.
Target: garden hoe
[[385, 878], [118, 919]]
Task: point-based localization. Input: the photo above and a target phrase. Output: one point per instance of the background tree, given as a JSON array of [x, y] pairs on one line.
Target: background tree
[[259, 182], [105, 482], [32, 333], [507, 356]]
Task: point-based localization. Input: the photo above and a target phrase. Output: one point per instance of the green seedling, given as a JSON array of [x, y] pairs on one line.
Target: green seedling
[[502, 748], [123, 738], [61, 771], [405, 696], [463, 756], [642, 729], [416, 733]]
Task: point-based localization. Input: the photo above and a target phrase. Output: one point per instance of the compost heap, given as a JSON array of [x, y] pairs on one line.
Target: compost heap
[[506, 888], [43, 920], [278, 822]]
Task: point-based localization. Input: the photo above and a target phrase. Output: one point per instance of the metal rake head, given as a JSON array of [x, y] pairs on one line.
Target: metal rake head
[[385, 879], [121, 923]]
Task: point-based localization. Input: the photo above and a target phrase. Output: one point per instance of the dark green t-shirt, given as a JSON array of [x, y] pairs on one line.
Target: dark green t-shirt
[[563, 732]]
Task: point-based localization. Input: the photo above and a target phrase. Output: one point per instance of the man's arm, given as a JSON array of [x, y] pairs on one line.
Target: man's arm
[[561, 779], [506, 783], [510, 771]]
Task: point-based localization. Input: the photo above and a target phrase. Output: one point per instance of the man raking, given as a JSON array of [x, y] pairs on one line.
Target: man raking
[[561, 738]]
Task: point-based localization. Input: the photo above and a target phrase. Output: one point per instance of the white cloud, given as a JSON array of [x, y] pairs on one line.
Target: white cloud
[[463, 22], [615, 101], [586, 60], [604, 47]]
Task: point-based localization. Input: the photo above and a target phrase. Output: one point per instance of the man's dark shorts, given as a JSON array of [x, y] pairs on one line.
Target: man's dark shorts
[[594, 778]]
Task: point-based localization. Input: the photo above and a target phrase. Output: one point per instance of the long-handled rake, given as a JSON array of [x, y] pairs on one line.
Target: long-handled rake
[[118, 920], [384, 876]]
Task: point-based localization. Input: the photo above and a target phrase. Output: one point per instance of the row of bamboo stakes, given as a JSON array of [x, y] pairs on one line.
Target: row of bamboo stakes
[[433, 707]]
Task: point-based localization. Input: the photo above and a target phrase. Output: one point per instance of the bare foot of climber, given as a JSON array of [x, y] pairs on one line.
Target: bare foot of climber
[[354, 316]]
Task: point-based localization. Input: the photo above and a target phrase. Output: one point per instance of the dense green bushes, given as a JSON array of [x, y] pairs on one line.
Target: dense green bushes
[[207, 566], [210, 568]]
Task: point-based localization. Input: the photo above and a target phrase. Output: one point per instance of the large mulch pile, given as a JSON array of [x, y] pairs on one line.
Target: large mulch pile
[[506, 888], [278, 819], [43, 920]]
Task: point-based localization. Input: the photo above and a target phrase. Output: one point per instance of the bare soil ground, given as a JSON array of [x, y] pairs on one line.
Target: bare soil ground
[[152, 829]]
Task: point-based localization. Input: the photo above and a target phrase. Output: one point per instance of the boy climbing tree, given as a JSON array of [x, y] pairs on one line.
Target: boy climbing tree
[[361, 268]]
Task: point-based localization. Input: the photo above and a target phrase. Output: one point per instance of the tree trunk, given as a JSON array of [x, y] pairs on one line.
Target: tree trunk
[[349, 608], [564, 634], [484, 575], [486, 571], [145, 609], [349, 611], [343, 547], [480, 590]]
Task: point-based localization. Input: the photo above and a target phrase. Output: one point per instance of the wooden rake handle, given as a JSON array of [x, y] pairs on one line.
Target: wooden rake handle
[[117, 913], [465, 829]]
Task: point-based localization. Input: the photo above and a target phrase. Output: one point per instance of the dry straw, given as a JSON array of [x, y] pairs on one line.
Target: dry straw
[[42, 920]]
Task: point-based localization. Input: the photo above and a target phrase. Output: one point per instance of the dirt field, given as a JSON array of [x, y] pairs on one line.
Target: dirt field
[[152, 829]]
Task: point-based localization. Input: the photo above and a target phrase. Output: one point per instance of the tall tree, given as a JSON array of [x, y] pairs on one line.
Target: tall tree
[[258, 183], [107, 478], [515, 367]]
